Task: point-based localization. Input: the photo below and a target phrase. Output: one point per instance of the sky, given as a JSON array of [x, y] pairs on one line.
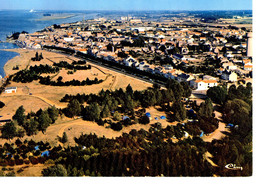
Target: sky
[[126, 4]]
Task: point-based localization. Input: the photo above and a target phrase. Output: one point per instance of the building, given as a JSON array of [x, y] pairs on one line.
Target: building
[[203, 84], [10, 90], [229, 75]]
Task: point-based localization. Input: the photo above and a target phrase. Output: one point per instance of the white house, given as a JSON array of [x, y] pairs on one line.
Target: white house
[[203, 84], [229, 75], [10, 90], [129, 61]]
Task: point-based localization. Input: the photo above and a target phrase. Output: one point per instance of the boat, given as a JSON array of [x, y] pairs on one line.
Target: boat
[[233, 167], [31, 11]]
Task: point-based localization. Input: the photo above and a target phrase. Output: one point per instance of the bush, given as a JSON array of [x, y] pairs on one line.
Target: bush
[[116, 126], [144, 120]]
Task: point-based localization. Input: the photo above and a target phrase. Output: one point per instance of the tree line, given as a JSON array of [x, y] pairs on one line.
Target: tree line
[[29, 124]]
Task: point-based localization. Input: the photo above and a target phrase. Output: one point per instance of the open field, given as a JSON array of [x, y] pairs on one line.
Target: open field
[[76, 127], [28, 170], [53, 94]]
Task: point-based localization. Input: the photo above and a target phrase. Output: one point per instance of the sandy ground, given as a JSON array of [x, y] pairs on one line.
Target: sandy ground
[[219, 133], [32, 170], [51, 95]]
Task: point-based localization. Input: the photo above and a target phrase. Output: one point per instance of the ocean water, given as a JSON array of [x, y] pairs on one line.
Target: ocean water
[[22, 20]]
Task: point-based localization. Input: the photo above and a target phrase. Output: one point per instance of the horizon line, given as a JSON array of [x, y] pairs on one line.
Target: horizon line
[[130, 10]]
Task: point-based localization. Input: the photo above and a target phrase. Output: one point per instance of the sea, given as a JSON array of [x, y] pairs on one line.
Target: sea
[[31, 21]]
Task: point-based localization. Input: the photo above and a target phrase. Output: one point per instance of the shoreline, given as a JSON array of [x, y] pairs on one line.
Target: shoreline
[[7, 71]]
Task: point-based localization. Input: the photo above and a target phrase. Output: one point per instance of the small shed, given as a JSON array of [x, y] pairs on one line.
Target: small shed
[[10, 90]]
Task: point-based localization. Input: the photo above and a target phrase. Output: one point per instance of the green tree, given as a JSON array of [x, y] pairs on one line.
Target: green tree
[[32, 127], [179, 111], [44, 121], [116, 116], [237, 112], [186, 89], [218, 94], [73, 108], [53, 113], [9, 130], [106, 112], [19, 116], [94, 112], [206, 108], [129, 90], [64, 138], [57, 170]]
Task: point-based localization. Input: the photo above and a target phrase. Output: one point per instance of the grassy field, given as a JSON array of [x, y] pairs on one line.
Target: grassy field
[[52, 94], [34, 96]]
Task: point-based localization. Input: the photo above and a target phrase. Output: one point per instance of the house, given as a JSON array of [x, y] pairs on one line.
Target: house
[[229, 75], [10, 90], [184, 77], [129, 61], [248, 66], [203, 84]]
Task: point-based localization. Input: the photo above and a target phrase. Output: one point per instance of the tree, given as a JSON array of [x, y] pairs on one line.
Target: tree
[[44, 121], [9, 130], [19, 116], [53, 113], [93, 112], [179, 111], [32, 127], [57, 170], [144, 120], [218, 94], [129, 90], [116, 116], [106, 112], [73, 108], [186, 89], [237, 112], [64, 138], [206, 108]]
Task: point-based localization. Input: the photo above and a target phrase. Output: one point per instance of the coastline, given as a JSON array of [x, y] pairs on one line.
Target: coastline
[[55, 17], [17, 60]]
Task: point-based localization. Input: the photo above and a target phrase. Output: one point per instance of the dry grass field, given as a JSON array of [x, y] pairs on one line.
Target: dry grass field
[[34, 96], [52, 94], [28, 170]]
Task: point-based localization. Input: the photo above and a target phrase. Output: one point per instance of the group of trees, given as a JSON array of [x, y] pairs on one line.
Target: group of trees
[[139, 153], [30, 123], [19, 153], [113, 103], [76, 65], [38, 57], [236, 105], [34, 73], [47, 81]]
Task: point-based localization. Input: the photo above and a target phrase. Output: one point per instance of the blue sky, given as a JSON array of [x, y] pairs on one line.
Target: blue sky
[[127, 4]]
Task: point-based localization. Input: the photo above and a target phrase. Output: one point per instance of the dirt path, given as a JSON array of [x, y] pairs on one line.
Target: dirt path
[[208, 157], [218, 133]]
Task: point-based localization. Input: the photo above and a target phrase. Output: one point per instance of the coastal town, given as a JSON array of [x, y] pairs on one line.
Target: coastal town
[[175, 49], [138, 94]]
